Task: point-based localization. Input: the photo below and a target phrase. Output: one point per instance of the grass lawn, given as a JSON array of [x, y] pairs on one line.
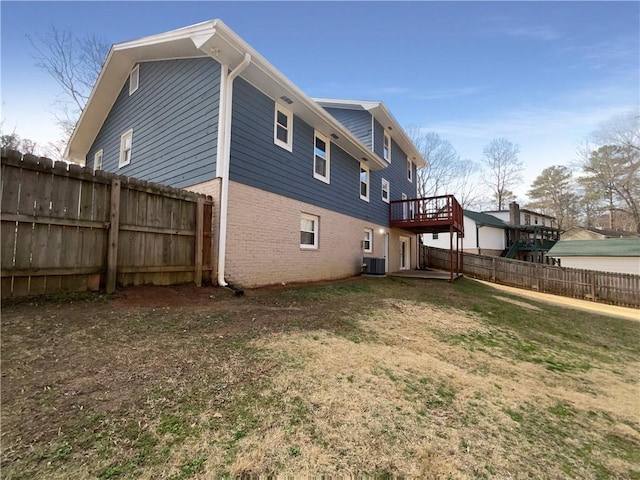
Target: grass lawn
[[364, 377]]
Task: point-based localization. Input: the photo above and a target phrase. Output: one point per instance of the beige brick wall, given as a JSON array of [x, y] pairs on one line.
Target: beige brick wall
[[263, 241]]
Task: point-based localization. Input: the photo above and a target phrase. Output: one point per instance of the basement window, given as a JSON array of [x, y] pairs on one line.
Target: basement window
[[367, 243], [309, 231]]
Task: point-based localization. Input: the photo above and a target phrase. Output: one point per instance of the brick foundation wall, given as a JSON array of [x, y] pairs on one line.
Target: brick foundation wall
[[263, 241]]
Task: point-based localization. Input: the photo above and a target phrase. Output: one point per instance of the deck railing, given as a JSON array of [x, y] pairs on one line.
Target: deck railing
[[430, 214]]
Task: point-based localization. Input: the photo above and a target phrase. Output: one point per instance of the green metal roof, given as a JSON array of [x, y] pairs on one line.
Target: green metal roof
[[484, 219], [608, 247]]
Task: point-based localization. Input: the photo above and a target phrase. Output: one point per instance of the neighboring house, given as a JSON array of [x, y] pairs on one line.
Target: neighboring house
[[514, 233], [588, 233], [303, 189], [621, 255], [483, 234]]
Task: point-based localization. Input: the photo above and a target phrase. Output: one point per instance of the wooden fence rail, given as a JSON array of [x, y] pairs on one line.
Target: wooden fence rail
[[605, 287], [67, 228]]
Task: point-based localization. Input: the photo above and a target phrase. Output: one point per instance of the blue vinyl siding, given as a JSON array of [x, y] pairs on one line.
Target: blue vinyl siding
[[357, 122], [174, 117], [256, 161]]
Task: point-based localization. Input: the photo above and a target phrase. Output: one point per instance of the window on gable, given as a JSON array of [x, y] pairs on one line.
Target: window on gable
[[386, 147], [364, 182], [134, 79], [97, 160], [321, 148], [409, 170], [386, 187], [283, 128], [367, 243], [126, 144], [309, 231]]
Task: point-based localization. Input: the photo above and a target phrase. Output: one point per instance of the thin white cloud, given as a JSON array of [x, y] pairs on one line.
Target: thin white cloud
[[532, 32], [448, 94]]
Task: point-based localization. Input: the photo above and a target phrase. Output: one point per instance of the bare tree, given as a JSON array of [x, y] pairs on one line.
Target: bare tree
[[502, 169], [470, 193], [74, 63]]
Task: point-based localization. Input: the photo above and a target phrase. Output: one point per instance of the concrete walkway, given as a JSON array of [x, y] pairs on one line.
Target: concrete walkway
[[585, 305]]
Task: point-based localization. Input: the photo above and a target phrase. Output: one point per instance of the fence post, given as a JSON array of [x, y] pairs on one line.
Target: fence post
[[114, 232], [493, 269], [199, 239], [593, 286]]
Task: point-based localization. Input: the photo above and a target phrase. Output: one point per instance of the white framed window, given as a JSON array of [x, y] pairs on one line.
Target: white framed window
[[407, 208], [321, 147], [409, 170], [435, 236], [283, 128], [126, 143], [386, 147], [386, 188], [367, 243], [364, 182], [134, 79], [309, 227], [97, 160]]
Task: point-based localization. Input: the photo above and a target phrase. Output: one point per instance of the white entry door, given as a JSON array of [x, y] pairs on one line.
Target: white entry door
[[386, 252], [405, 253]]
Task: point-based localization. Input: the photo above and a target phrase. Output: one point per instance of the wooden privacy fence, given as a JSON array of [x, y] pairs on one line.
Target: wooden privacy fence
[[66, 228], [605, 287]]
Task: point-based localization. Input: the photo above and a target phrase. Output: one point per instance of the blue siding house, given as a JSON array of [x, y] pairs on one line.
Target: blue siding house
[[302, 187]]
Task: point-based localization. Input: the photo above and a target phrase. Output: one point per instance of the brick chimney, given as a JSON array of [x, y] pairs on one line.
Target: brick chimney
[[514, 213]]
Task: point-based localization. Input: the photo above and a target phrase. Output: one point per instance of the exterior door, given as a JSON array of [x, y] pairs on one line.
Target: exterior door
[[405, 253], [385, 251]]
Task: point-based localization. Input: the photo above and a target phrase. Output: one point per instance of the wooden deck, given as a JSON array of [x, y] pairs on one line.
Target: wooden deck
[[427, 215]]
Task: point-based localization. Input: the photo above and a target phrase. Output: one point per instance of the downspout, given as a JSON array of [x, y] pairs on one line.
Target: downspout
[[226, 157]]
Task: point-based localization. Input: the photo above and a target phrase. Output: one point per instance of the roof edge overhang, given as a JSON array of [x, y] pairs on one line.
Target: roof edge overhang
[[386, 119], [215, 39]]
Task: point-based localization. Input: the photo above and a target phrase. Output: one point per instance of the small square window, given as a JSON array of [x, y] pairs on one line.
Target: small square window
[[134, 79], [409, 170], [97, 160], [126, 145], [364, 182], [385, 190], [309, 231], [435, 236], [367, 243], [283, 128], [321, 148]]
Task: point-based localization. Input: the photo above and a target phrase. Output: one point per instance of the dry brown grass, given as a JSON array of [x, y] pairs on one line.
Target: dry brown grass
[[366, 377]]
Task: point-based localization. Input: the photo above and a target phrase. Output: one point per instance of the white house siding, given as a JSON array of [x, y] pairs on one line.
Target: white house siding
[[492, 240], [604, 264]]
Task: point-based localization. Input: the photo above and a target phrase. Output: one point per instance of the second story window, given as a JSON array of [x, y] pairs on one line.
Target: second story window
[[386, 147], [409, 170], [126, 144], [527, 219], [134, 79], [364, 182], [321, 157], [283, 128], [385, 190], [97, 160]]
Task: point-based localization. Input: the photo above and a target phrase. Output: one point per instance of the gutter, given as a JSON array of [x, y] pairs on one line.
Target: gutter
[[225, 159]]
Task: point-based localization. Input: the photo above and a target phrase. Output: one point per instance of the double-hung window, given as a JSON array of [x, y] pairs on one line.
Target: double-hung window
[[126, 144], [97, 160], [283, 128], [386, 147], [367, 243], [385, 190], [309, 231], [409, 170], [364, 182], [321, 148], [134, 79]]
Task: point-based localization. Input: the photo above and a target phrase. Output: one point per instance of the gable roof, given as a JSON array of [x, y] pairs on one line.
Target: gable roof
[[604, 232], [609, 247], [215, 39], [380, 112], [482, 219]]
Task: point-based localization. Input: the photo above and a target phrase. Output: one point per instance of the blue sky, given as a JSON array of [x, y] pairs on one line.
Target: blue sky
[[542, 74]]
